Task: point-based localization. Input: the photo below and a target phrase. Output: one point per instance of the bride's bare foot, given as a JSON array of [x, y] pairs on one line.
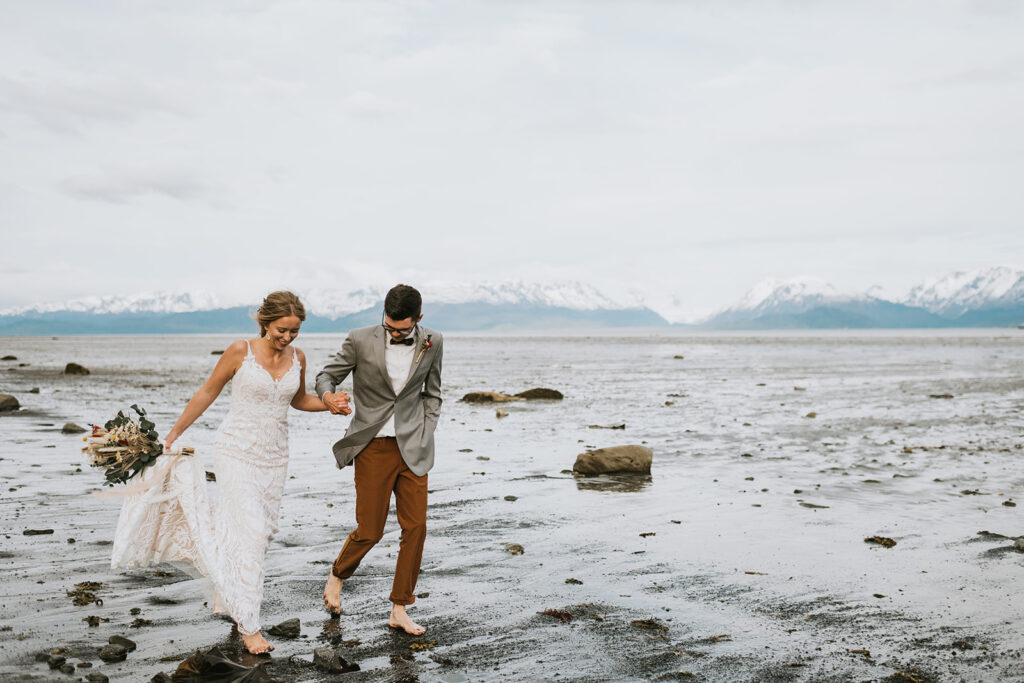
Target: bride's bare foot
[[400, 619], [332, 595], [256, 644]]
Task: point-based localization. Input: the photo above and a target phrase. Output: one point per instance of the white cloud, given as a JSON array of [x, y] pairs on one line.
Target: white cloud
[[681, 150]]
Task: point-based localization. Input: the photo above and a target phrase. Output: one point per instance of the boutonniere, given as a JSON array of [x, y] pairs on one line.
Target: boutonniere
[[424, 346]]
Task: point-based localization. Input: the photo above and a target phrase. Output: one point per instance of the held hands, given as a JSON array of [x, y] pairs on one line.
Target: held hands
[[337, 403]]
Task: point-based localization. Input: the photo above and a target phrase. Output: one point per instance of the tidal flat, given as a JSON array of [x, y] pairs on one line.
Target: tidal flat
[[742, 557]]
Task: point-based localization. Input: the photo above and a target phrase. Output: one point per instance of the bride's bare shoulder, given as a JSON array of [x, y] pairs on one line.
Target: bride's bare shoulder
[[237, 348]]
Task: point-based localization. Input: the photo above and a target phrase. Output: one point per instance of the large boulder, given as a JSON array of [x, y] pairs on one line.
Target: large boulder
[[75, 369], [541, 394], [8, 402], [635, 459], [487, 397]]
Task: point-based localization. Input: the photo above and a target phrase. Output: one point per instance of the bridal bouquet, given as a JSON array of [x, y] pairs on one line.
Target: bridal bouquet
[[124, 446]]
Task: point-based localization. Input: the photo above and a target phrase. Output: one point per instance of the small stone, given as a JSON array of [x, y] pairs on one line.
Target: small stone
[[8, 357], [8, 403], [511, 499], [881, 540], [161, 678], [330, 660], [1019, 543], [68, 668], [499, 413], [55, 661], [75, 369], [217, 353], [811, 414], [37, 532], [515, 548], [96, 677], [487, 397], [423, 595], [34, 390], [123, 642], [114, 653], [575, 582], [1009, 504], [541, 394], [286, 629], [72, 428], [677, 357], [134, 611]]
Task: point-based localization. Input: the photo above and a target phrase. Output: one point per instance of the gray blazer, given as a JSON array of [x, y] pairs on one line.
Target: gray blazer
[[417, 406]]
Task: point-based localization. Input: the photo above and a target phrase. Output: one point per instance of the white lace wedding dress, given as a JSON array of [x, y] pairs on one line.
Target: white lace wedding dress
[[225, 540]]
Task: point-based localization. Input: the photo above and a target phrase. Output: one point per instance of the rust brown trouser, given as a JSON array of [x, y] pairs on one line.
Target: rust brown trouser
[[379, 471]]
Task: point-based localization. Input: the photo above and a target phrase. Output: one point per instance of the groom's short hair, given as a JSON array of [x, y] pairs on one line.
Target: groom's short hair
[[403, 301]]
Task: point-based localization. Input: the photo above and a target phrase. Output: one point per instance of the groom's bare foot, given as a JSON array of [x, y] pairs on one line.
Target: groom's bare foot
[[332, 595], [256, 644], [400, 619]]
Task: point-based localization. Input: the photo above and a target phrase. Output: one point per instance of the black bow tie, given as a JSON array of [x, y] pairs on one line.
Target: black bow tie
[[404, 342]]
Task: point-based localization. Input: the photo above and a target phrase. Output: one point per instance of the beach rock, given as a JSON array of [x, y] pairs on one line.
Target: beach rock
[[514, 548], [34, 390], [68, 668], [72, 428], [8, 402], [499, 413], [9, 358], [161, 678], [615, 459], [881, 540], [331, 660], [286, 629], [1019, 543], [123, 642], [55, 661], [75, 369], [37, 532], [114, 653], [540, 394], [511, 499], [621, 426], [217, 353], [487, 397], [96, 677]]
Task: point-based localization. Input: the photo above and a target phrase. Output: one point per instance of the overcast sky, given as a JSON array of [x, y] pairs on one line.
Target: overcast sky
[[676, 149]]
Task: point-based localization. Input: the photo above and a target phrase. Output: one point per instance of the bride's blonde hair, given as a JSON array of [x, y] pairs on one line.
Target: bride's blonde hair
[[278, 305]]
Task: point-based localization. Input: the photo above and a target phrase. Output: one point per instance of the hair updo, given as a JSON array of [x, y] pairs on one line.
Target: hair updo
[[278, 305]]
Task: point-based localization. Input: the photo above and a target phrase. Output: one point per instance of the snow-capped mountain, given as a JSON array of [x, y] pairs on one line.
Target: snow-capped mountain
[[794, 295], [149, 302], [812, 303], [957, 293]]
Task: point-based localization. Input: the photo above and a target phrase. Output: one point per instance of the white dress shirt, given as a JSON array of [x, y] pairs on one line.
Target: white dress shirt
[[398, 358]]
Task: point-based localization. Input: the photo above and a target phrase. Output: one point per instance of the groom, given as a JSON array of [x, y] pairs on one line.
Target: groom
[[396, 376]]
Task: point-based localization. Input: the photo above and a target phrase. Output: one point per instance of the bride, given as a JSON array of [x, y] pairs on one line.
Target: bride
[[168, 517]]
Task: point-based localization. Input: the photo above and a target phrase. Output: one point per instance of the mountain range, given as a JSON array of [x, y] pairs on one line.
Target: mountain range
[[992, 297]]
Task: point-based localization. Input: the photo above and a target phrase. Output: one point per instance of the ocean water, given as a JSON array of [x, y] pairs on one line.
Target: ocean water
[[775, 456]]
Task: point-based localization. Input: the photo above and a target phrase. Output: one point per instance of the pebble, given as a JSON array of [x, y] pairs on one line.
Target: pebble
[[127, 644], [330, 660], [114, 653]]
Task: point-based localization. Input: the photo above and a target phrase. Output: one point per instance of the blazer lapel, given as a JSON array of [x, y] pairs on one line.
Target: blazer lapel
[[378, 357], [414, 366]]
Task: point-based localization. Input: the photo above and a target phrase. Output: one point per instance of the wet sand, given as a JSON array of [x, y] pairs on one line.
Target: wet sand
[[741, 558]]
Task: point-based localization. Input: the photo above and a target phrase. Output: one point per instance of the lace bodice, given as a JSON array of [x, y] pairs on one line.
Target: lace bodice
[[256, 426]]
